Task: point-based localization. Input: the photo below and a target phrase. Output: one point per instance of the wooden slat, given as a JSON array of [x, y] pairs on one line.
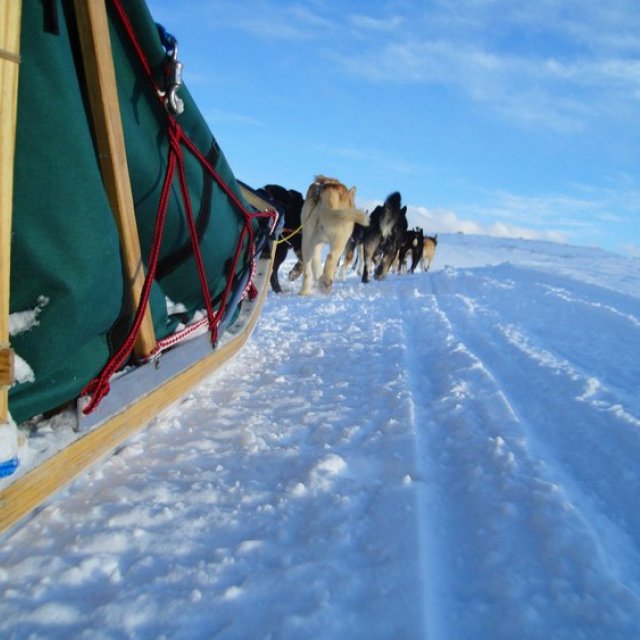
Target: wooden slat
[[255, 200], [10, 14], [100, 77], [6, 367], [31, 490]]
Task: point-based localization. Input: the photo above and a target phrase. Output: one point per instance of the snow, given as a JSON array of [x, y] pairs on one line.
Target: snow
[[25, 320], [19, 323], [443, 455]]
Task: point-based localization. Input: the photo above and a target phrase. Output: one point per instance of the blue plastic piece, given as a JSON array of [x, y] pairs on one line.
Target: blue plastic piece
[[8, 467]]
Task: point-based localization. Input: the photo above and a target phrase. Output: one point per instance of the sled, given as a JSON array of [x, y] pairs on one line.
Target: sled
[[134, 261]]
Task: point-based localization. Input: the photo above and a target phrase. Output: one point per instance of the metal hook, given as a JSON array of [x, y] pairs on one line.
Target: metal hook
[[173, 81]]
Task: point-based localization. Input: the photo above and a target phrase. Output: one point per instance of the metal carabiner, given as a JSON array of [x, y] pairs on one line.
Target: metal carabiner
[[173, 81]]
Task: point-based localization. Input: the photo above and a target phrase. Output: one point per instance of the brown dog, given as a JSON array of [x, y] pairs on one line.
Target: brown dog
[[328, 216], [429, 251]]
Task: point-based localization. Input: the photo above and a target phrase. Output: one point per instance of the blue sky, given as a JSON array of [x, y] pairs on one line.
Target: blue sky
[[492, 116]]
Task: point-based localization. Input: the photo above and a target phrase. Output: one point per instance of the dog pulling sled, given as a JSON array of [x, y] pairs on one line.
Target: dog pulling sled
[[127, 247]]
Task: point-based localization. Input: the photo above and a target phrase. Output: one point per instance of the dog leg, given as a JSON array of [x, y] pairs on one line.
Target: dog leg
[[278, 259], [347, 259], [275, 283], [367, 265], [309, 268], [307, 279], [368, 268], [296, 270], [326, 280], [316, 261], [337, 248], [383, 268]]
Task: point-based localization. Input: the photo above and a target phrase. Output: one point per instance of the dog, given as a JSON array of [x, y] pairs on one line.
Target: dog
[[383, 237], [412, 245], [429, 251], [350, 254], [289, 202], [328, 217]]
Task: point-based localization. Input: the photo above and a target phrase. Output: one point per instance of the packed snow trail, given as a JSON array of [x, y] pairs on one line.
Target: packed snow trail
[[503, 436], [281, 488], [437, 456]]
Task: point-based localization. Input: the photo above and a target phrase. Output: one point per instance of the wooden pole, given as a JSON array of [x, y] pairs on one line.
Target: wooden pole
[[10, 15], [93, 27]]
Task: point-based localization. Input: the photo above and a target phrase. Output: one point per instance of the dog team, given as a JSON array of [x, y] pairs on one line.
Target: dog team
[[328, 215]]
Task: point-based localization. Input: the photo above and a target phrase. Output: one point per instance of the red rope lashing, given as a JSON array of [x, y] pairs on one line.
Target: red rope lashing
[[247, 229], [247, 215], [213, 320], [184, 189], [99, 387]]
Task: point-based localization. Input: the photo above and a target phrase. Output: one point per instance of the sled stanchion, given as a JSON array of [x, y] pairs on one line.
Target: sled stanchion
[[10, 15], [93, 28]]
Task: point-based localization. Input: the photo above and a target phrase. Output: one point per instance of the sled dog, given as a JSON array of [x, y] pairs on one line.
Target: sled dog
[[429, 251], [328, 217], [289, 201], [413, 246], [383, 237]]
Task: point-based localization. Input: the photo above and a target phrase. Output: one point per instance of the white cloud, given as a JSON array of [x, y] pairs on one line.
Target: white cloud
[[446, 221], [569, 77], [588, 213], [441, 220], [556, 66], [543, 91]]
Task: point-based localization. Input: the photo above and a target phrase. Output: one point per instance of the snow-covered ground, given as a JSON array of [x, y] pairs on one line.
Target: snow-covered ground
[[441, 456]]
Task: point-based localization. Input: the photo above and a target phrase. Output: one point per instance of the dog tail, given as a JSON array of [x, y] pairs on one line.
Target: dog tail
[[394, 200], [352, 215]]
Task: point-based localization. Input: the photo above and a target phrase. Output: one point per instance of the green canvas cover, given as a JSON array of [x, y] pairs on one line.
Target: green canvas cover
[[65, 254]]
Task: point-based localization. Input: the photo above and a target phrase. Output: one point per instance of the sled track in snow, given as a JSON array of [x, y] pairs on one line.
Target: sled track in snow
[[480, 436]]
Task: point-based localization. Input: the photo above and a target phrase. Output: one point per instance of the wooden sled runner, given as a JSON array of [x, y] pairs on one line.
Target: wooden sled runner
[[142, 355]]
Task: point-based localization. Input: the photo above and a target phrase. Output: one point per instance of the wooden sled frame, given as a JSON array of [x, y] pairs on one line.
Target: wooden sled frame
[[28, 491]]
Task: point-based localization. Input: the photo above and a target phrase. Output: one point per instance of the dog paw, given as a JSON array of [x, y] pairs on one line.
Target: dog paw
[[295, 272], [325, 285]]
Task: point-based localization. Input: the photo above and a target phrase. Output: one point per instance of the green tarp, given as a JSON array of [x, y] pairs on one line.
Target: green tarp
[[65, 255]]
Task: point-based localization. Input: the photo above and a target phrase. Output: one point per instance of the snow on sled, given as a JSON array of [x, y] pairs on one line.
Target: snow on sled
[[133, 262]]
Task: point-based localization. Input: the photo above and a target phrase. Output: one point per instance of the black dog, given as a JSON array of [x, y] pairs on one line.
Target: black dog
[[290, 203], [412, 244], [383, 237]]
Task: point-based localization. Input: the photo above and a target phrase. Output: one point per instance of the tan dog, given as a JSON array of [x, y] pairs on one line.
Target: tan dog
[[328, 215], [429, 251]]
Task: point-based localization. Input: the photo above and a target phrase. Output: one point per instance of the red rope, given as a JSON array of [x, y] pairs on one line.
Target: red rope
[[184, 189], [142, 58], [99, 387]]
